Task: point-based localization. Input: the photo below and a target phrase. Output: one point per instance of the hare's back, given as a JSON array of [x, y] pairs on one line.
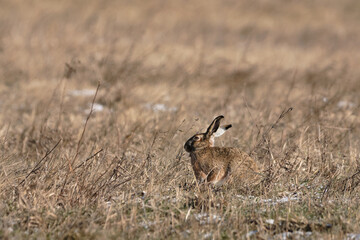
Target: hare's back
[[242, 158], [243, 167], [230, 155]]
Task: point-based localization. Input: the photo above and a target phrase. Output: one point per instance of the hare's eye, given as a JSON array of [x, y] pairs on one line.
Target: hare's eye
[[196, 138]]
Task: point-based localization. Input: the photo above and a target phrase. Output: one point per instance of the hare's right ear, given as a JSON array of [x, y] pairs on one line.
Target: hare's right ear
[[214, 126], [222, 130]]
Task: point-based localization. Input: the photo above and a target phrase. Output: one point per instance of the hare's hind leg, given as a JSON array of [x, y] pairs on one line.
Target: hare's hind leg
[[217, 176]]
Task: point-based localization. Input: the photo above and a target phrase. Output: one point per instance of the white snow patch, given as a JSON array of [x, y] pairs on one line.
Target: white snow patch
[[345, 104], [281, 200], [207, 235], [146, 225], [353, 236], [98, 107], [205, 218], [270, 221], [245, 197], [160, 107], [272, 201], [251, 233], [293, 235], [82, 92]]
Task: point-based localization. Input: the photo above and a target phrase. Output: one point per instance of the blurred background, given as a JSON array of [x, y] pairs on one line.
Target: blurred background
[[177, 60]]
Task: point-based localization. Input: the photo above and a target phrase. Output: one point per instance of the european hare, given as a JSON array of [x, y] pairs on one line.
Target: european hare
[[216, 164]]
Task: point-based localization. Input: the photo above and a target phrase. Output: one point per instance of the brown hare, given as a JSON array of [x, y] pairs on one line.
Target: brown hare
[[218, 164]]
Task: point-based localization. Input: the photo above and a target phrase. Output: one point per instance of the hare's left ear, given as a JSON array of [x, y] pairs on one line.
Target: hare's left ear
[[214, 126]]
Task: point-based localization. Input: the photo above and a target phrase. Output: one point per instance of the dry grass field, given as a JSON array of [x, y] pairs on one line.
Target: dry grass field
[[164, 70]]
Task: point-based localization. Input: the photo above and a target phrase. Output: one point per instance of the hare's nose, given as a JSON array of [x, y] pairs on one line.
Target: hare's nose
[[188, 146]]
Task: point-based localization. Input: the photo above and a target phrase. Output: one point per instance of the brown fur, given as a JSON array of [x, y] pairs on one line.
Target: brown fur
[[218, 164]]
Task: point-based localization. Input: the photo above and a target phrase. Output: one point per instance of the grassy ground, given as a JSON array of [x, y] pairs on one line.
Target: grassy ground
[[166, 68]]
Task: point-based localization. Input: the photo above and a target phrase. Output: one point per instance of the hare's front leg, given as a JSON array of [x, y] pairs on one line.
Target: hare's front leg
[[199, 174]]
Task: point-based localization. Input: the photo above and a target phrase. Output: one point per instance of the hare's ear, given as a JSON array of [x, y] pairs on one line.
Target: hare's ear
[[222, 130], [214, 126]]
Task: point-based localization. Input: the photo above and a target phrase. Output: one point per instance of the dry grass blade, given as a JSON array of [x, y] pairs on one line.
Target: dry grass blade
[[268, 130], [88, 159], [84, 129], [37, 165]]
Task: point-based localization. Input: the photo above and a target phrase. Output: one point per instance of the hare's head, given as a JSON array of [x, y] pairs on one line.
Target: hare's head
[[207, 139]]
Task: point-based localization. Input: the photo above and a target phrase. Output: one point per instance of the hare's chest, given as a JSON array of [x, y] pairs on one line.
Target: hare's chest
[[200, 158], [200, 163]]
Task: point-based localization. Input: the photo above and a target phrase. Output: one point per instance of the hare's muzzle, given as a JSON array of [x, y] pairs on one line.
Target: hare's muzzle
[[189, 145]]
